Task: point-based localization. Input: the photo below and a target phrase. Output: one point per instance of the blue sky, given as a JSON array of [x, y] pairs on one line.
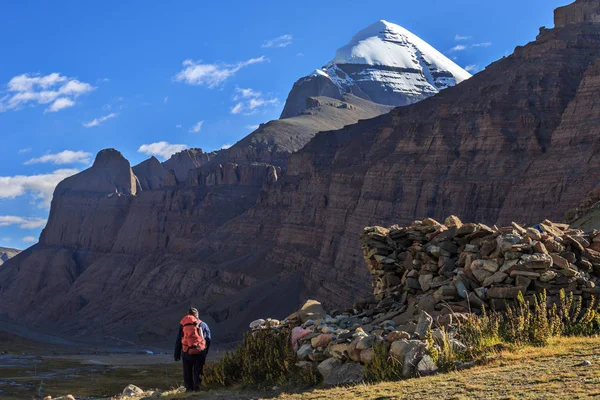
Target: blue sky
[[77, 77]]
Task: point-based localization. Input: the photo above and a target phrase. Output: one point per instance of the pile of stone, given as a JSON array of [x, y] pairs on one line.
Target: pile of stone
[[426, 278], [338, 344], [459, 267]]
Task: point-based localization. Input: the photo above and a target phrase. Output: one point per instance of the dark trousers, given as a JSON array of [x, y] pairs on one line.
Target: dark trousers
[[192, 369]]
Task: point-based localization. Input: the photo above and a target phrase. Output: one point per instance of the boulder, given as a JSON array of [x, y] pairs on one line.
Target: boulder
[[132, 390], [256, 324], [335, 373], [366, 356], [425, 321], [304, 351], [426, 366], [322, 340], [312, 309]]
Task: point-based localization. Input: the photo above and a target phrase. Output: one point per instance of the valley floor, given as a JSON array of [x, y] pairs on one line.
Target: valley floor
[[551, 372]]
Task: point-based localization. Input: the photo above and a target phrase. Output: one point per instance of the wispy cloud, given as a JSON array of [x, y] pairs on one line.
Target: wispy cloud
[[99, 120], [459, 38], [458, 47], [178, 126], [252, 127], [197, 127], [60, 104], [30, 239], [39, 187], [463, 47], [300, 55], [166, 99], [250, 100], [54, 89], [472, 68], [211, 75], [64, 157], [281, 41], [22, 222], [163, 150], [226, 146], [25, 150]]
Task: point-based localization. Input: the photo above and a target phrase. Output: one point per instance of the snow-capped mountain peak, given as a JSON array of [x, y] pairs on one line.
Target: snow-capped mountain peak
[[384, 63], [387, 44]]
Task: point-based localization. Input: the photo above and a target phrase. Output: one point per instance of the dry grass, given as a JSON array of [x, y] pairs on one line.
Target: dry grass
[[529, 373]]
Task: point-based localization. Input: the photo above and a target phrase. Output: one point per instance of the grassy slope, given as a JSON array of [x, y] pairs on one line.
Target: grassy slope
[[530, 373]]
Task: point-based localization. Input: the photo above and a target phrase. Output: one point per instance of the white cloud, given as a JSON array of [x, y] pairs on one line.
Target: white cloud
[[33, 89], [211, 75], [23, 223], [458, 47], [472, 68], [250, 100], [39, 187], [226, 146], [25, 150], [30, 239], [462, 47], [163, 150], [166, 99], [252, 127], [300, 55], [98, 121], [178, 126], [460, 37], [237, 108], [60, 104], [64, 157], [281, 41], [196, 128]]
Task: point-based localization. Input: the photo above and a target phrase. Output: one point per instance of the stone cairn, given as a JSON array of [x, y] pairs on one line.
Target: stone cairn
[[428, 276]]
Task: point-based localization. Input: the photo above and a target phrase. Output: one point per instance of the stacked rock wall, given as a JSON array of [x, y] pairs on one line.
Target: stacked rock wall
[[463, 266], [426, 277]]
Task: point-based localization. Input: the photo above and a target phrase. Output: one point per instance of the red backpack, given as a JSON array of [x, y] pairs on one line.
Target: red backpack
[[192, 340]]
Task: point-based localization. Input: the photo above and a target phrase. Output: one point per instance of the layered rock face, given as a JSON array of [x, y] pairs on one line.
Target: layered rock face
[[582, 11], [514, 143], [384, 63]]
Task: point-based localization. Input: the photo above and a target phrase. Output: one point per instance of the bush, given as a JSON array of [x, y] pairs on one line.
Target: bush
[[531, 322], [264, 359], [384, 367]]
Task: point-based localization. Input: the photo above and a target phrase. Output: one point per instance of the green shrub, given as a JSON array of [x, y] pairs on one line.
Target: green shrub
[[384, 367], [265, 358], [531, 322]]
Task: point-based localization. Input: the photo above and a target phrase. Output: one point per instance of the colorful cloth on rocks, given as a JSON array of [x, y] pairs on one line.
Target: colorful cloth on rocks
[[297, 334]]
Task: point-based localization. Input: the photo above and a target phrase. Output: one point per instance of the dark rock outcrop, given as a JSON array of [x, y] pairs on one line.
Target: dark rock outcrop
[[184, 161], [582, 11], [152, 175]]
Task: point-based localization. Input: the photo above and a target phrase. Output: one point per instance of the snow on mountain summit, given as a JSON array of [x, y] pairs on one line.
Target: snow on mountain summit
[[387, 44], [384, 63]]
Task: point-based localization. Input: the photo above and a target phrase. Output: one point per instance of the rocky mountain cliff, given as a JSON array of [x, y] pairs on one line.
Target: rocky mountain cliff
[[7, 253], [384, 63], [251, 234]]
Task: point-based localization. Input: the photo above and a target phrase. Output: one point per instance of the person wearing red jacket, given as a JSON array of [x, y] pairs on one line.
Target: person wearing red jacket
[[193, 342]]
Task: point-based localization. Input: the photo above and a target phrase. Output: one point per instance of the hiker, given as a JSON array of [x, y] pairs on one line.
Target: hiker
[[193, 342]]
